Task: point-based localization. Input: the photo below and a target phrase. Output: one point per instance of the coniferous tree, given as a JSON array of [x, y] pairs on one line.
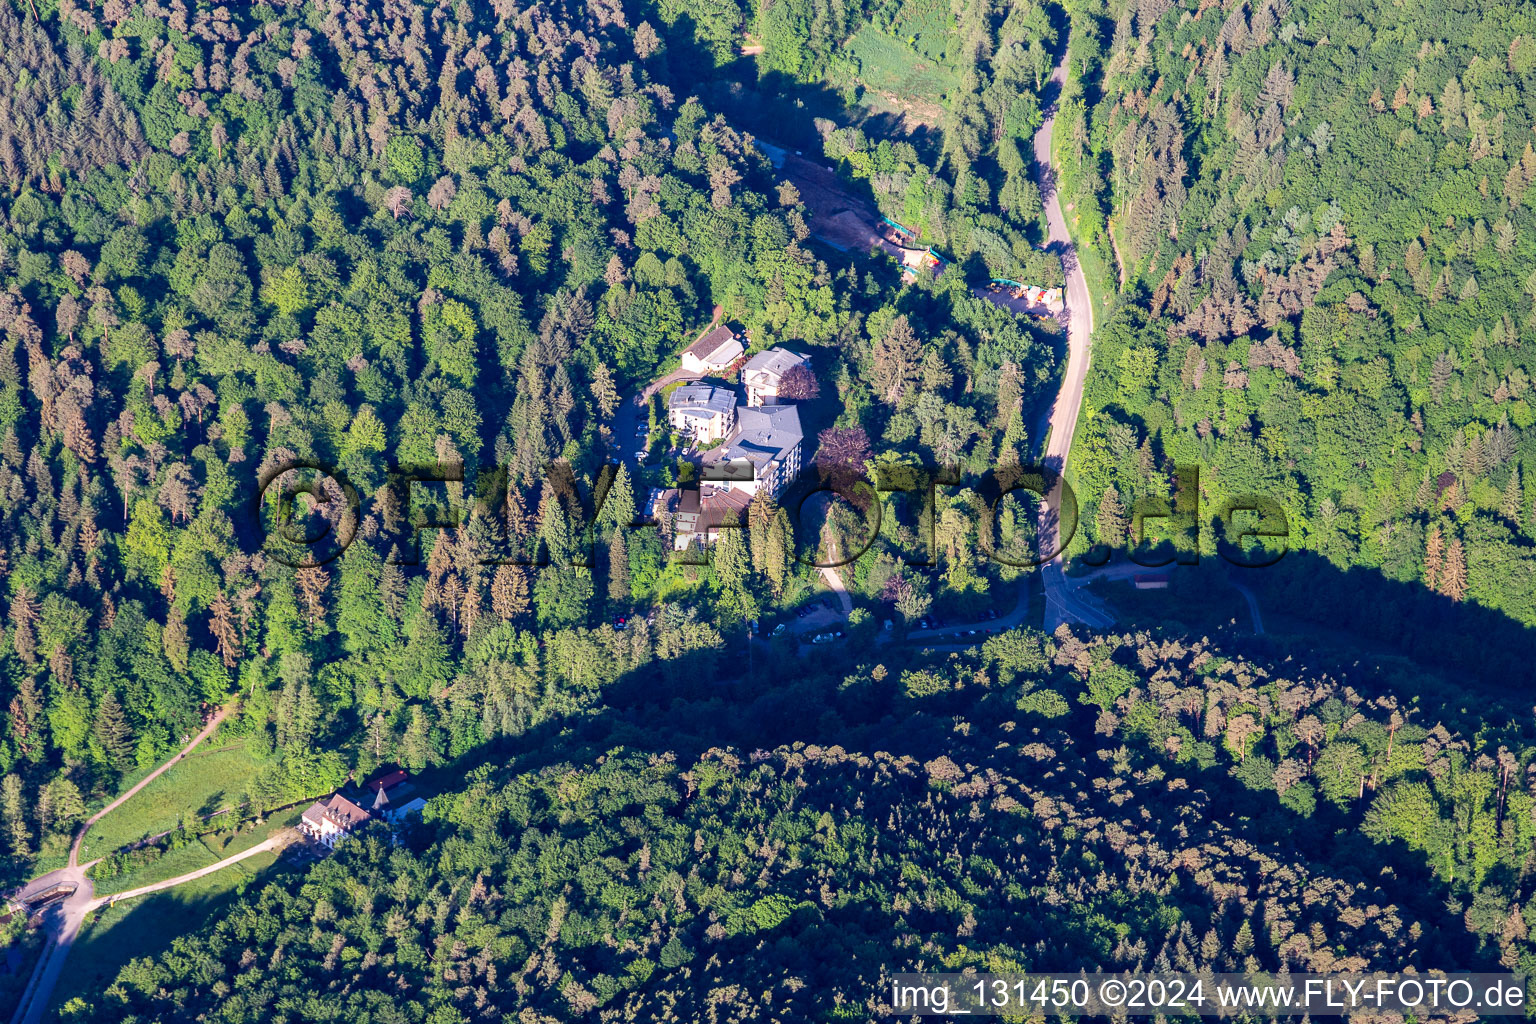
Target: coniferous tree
[[23, 635], [509, 592], [221, 624], [1509, 506], [1015, 440], [43, 813], [897, 359], [555, 531], [1434, 558], [604, 391], [1453, 577], [175, 641], [618, 509], [362, 618], [1111, 521], [13, 815], [730, 560], [311, 582], [392, 584], [777, 552], [26, 719], [416, 747], [68, 806], [113, 732], [306, 716], [618, 569]]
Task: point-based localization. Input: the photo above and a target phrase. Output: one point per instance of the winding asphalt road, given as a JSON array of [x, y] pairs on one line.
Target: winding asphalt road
[[64, 919], [1093, 611], [1253, 606], [1064, 604], [982, 629], [1060, 605]]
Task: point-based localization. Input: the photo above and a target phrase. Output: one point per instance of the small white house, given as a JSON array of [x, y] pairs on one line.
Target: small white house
[[712, 353]]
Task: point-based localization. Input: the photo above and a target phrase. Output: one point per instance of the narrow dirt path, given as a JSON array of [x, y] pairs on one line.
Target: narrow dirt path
[[208, 730], [834, 579], [275, 842], [66, 918]]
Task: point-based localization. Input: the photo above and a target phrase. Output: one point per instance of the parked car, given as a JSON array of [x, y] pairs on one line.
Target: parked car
[[822, 638], [620, 623], [640, 456], [780, 628]]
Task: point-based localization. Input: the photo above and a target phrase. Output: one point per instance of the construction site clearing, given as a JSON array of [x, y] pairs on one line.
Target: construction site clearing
[[843, 220], [1022, 298], [848, 223]]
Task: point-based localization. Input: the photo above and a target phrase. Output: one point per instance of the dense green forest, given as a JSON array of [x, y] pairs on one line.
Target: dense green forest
[[1124, 802], [369, 237], [1323, 217]]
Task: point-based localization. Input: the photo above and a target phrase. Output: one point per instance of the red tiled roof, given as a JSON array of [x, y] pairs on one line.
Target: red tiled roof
[[388, 781]]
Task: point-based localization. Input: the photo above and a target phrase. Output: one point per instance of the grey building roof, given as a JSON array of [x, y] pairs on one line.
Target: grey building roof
[[702, 400], [774, 360], [763, 433]]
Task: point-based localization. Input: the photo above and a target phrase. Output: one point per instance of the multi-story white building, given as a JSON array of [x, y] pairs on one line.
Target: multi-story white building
[[763, 452], [330, 821], [702, 411], [764, 373]]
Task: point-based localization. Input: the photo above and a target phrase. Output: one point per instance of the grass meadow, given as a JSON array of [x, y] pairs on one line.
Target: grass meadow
[[201, 784]]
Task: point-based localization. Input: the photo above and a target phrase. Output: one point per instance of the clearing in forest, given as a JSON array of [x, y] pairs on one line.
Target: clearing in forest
[[200, 784], [912, 57]]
